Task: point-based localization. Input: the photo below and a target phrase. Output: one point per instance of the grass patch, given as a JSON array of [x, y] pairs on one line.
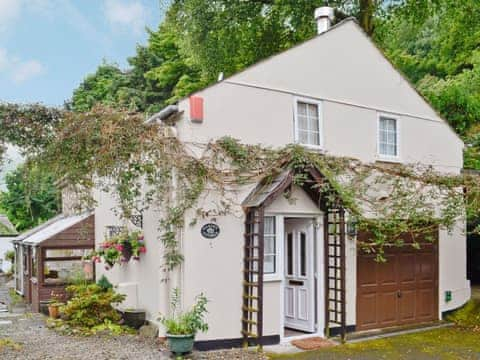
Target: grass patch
[[468, 316], [446, 343], [6, 343]]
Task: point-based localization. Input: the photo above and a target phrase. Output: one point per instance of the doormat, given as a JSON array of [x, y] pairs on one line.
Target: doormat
[[313, 343]]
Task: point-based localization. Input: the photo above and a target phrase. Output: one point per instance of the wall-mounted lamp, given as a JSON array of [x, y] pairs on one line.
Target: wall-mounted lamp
[[352, 227]]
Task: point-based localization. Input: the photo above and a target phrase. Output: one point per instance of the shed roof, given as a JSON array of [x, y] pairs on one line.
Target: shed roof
[[60, 224]]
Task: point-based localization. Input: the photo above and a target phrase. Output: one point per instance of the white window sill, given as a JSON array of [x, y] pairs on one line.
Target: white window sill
[[317, 148], [395, 160]]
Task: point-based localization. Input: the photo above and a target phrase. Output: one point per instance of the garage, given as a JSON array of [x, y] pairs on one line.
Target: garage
[[401, 291]]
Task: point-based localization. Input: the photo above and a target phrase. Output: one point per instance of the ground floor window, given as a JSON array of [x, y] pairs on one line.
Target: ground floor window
[[270, 239], [64, 266]]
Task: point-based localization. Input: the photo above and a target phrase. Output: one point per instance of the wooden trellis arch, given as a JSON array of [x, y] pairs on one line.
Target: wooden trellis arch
[[318, 189]]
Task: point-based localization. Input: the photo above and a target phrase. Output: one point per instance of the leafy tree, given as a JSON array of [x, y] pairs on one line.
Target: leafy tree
[[31, 197], [436, 44], [104, 86]]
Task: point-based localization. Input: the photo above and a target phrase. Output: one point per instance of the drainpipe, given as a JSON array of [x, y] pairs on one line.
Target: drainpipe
[[176, 276]]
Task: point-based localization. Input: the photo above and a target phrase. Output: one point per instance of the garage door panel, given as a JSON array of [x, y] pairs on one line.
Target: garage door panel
[[426, 264], [387, 272], [406, 269], [407, 306], [387, 303], [404, 290], [369, 273], [426, 304], [368, 302]]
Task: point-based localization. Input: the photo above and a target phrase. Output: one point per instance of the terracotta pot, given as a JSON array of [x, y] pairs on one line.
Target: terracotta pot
[[54, 311]]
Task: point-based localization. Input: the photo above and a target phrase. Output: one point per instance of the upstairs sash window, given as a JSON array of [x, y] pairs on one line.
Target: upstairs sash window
[[307, 124], [387, 137]]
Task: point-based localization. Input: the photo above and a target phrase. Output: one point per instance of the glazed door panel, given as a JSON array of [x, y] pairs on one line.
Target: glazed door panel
[[299, 278]]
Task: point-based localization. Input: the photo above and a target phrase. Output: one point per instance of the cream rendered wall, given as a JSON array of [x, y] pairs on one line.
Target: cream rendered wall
[[354, 83], [215, 266], [452, 265], [141, 281]]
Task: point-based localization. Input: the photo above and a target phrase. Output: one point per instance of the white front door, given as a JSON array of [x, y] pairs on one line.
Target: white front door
[[299, 275]]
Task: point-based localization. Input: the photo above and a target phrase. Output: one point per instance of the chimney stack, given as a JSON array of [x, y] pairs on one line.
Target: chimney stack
[[324, 16]]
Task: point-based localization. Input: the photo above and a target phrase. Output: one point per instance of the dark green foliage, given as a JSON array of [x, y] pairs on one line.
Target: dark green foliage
[[104, 283], [199, 39], [31, 197], [436, 44], [90, 306]]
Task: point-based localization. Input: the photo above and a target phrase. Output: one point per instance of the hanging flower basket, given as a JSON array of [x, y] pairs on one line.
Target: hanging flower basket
[[120, 249]]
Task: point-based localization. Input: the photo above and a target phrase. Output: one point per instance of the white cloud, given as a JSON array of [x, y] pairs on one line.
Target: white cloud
[[17, 70], [27, 70], [9, 11], [131, 15]]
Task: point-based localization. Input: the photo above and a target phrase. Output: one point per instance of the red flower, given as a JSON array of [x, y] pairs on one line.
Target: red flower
[[119, 247], [143, 249]]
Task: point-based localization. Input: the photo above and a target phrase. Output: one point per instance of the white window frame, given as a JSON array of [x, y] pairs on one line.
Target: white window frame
[[279, 228], [319, 104], [397, 122]]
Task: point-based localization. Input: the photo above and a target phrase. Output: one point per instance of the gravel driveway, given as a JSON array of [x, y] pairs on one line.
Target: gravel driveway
[[38, 342], [24, 336]]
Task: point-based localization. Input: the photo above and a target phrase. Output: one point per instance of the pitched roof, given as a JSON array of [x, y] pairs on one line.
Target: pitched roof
[[60, 224], [228, 79], [49, 228]]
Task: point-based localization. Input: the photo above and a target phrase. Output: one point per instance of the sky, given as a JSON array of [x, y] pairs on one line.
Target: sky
[[48, 46]]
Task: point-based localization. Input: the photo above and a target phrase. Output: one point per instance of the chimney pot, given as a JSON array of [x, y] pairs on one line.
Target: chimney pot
[[324, 16]]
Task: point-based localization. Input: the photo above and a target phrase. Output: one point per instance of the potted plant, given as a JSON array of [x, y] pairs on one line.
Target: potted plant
[[120, 249], [54, 304], [134, 318], [183, 326]]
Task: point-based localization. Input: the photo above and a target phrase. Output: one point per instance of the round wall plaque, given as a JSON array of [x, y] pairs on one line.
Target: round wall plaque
[[210, 231]]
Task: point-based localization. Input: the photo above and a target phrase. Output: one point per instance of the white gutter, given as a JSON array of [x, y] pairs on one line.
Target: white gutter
[[162, 114]]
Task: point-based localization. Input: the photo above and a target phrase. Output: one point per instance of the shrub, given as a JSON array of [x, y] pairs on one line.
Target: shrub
[[104, 283], [468, 316], [186, 323], [90, 306]]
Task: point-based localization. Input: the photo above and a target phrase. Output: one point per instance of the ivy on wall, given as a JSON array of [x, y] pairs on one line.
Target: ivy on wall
[[115, 151]]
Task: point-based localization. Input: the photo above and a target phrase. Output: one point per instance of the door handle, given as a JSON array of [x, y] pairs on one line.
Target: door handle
[[399, 294]]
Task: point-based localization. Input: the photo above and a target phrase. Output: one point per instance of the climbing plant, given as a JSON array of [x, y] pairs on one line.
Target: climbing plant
[[117, 152]]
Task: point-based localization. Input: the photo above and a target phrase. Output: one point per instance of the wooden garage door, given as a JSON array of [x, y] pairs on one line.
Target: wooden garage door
[[401, 291]]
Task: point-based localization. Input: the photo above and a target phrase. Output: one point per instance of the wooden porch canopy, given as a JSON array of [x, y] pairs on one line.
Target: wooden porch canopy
[[318, 189]]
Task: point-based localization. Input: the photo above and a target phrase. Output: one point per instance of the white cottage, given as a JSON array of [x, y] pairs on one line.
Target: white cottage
[[335, 93]]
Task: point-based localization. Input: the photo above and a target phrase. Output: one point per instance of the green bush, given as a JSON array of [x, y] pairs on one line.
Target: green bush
[[468, 316], [104, 283], [90, 306], [189, 322]]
